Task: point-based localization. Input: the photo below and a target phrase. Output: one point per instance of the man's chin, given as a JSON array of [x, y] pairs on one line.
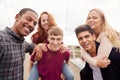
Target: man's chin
[[86, 49], [26, 34], [55, 49]]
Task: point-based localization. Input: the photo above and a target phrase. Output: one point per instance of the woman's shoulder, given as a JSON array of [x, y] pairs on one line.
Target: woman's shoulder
[[36, 35], [101, 36]]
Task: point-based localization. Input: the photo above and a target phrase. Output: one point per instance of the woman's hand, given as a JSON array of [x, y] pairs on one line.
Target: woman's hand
[[62, 76], [103, 63], [63, 48]]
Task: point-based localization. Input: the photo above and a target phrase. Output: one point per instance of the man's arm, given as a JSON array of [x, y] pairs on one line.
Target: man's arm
[[1, 51], [29, 47], [36, 49]]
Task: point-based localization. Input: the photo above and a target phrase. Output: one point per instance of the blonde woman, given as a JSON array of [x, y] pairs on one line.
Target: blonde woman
[[105, 34]]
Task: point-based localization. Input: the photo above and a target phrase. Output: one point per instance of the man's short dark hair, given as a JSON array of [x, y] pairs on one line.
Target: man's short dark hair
[[82, 28], [24, 10]]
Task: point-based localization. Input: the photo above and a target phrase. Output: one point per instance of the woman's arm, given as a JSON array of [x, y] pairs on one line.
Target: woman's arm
[[30, 66], [95, 61], [103, 52], [86, 57], [105, 46]]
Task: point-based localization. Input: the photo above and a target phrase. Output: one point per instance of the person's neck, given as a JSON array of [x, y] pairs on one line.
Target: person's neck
[[15, 31], [97, 32], [46, 30], [50, 48]]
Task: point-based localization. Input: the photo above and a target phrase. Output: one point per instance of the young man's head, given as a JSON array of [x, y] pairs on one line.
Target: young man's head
[[85, 36], [25, 22], [55, 38]]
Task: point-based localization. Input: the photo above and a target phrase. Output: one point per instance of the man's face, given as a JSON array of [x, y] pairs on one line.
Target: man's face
[[25, 23], [86, 40], [55, 42]]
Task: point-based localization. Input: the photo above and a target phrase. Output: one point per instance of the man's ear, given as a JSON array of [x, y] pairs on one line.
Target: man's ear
[[17, 17]]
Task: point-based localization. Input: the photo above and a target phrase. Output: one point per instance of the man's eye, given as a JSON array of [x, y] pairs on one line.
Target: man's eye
[[35, 23], [87, 36], [52, 39], [58, 39], [79, 39]]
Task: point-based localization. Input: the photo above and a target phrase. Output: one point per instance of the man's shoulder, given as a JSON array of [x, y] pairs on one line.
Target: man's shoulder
[[115, 50], [67, 52], [3, 34]]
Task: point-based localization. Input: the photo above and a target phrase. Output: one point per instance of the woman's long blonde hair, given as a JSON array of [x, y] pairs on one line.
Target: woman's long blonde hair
[[112, 34]]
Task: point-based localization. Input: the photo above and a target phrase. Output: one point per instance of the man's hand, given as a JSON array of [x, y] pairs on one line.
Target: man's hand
[[103, 63], [38, 51]]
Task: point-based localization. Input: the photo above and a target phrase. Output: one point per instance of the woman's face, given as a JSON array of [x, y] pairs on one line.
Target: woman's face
[[94, 20], [45, 22]]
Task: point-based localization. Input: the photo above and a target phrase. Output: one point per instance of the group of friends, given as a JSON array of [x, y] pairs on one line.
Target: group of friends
[[49, 60]]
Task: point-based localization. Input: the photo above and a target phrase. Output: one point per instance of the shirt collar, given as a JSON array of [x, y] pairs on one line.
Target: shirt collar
[[14, 35]]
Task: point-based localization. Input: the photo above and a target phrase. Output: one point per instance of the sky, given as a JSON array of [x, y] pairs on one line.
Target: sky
[[68, 14]]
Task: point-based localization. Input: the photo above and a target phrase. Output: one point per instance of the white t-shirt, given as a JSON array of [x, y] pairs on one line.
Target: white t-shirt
[[96, 73]]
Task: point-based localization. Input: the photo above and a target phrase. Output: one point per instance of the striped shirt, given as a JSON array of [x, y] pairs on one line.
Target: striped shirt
[[12, 54]]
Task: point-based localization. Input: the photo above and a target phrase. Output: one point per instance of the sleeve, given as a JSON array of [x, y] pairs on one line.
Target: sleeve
[[35, 38], [1, 51], [105, 46], [32, 58], [29, 47], [85, 55], [67, 56], [86, 73], [103, 51], [1, 48]]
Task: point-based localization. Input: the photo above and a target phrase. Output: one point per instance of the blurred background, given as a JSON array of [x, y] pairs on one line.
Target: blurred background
[[68, 13]]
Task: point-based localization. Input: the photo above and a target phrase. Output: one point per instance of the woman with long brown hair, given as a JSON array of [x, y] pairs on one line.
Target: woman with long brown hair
[[45, 22]]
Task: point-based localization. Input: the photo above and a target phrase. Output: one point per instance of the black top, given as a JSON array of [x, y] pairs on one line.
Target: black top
[[110, 73]]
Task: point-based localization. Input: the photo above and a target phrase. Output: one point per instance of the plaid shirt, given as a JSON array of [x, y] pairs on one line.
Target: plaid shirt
[[12, 54]]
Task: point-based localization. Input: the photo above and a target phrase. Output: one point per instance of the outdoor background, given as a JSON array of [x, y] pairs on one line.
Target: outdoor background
[[68, 13]]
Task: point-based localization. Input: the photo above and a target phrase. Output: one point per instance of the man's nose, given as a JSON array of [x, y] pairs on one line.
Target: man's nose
[[84, 39], [55, 42], [31, 24]]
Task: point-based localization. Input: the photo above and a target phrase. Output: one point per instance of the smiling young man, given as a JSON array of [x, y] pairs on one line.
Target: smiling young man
[[13, 45], [86, 39], [51, 62]]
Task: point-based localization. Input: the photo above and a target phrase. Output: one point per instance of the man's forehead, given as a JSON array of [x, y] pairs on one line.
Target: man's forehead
[[31, 14], [55, 36], [84, 33]]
